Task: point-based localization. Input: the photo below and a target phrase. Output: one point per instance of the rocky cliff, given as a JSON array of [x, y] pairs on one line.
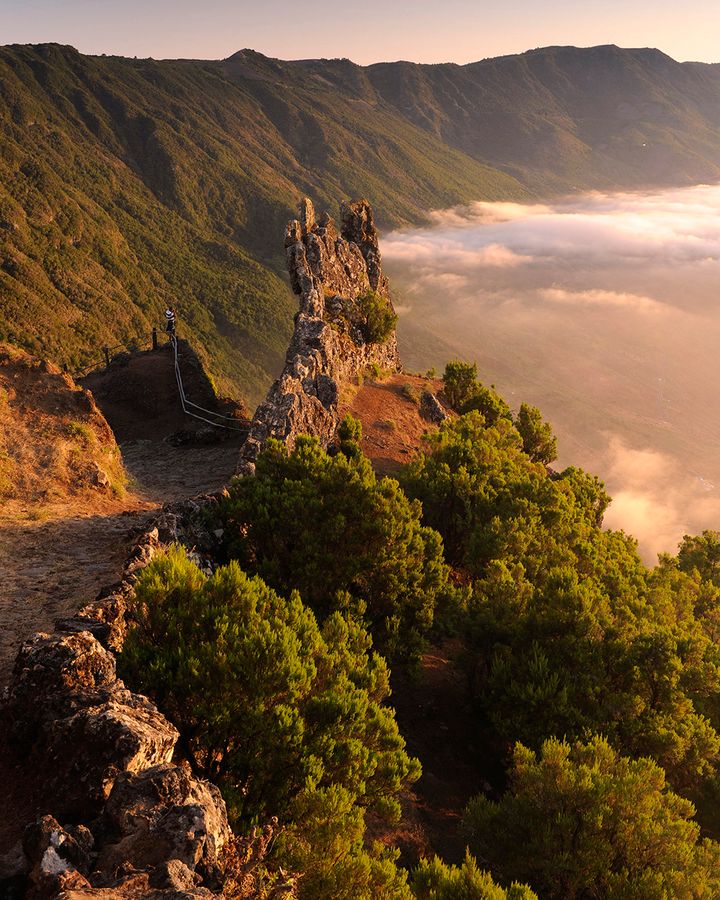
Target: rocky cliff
[[117, 814], [333, 273]]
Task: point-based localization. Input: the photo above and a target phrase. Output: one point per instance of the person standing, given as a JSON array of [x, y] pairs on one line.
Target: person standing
[[170, 321]]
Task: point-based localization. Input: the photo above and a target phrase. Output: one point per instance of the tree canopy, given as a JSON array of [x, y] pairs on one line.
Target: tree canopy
[[328, 527], [287, 717], [583, 821]]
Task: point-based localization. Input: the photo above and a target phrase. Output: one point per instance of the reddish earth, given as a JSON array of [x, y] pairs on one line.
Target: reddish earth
[[389, 412]]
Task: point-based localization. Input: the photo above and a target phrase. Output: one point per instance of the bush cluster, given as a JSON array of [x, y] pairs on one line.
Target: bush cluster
[[594, 680]]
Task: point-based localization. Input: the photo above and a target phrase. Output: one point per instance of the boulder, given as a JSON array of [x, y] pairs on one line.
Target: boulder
[[67, 709], [431, 408], [136, 886], [52, 677], [88, 750], [58, 859], [164, 814], [109, 616]]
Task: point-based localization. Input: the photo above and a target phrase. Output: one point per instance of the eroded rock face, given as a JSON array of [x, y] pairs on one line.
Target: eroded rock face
[[59, 858], [329, 271], [164, 813], [53, 677], [122, 733], [67, 709]]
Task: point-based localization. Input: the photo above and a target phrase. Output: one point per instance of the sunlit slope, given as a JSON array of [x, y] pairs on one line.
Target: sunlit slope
[[129, 184], [562, 118]]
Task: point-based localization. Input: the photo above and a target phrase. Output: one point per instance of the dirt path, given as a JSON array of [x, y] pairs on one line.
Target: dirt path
[[50, 568]]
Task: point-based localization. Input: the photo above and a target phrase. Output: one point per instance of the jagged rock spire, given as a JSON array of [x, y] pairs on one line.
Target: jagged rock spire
[[329, 271]]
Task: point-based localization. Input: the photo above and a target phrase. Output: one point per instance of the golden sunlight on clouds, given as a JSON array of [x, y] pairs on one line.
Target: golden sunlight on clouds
[[604, 311]]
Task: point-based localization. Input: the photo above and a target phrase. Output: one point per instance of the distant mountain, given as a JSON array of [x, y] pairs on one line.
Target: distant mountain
[[129, 184], [558, 118]]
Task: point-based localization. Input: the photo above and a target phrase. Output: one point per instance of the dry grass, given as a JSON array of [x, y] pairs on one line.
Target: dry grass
[[54, 442], [393, 429]]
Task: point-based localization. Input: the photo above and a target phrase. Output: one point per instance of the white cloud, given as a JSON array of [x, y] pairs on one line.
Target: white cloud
[[604, 299], [656, 499], [602, 310]]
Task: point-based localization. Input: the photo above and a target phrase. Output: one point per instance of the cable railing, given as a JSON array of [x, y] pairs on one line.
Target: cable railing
[[185, 402], [147, 342]]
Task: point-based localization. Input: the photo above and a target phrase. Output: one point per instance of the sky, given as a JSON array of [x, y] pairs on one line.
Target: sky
[[426, 31], [604, 312]]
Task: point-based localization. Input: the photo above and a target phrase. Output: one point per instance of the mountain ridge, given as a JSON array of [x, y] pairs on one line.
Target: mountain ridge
[[129, 184]]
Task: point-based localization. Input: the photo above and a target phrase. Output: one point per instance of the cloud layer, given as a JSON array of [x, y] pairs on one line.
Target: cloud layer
[[603, 310]]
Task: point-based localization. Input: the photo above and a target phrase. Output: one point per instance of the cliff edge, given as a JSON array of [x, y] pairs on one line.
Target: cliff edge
[[339, 281]]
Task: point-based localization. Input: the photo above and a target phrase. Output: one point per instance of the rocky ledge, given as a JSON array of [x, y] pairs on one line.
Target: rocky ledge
[[121, 819], [330, 271]]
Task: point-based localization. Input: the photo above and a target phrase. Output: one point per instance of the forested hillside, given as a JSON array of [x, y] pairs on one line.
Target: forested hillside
[[129, 184], [592, 725]]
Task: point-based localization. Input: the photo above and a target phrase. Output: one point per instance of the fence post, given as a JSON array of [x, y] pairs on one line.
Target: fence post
[[154, 337], [106, 351]]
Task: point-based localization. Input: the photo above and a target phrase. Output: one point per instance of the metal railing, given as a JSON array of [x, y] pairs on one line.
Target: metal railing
[[150, 342], [236, 426]]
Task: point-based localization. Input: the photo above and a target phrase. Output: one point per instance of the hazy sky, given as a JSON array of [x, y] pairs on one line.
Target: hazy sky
[[371, 31]]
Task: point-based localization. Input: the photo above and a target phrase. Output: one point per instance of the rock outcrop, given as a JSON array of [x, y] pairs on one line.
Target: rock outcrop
[[331, 272], [142, 826]]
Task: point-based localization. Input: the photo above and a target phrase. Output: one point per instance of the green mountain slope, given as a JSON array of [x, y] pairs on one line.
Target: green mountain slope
[[126, 185], [129, 184], [563, 118]]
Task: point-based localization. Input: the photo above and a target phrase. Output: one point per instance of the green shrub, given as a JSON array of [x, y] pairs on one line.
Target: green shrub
[[459, 380], [380, 318], [350, 436], [411, 393], [269, 704], [538, 439], [466, 394], [434, 880], [328, 527], [287, 718], [582, 821], [328, 845]]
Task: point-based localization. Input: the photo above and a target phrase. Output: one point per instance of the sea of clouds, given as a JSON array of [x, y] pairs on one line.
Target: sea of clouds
[[604, 311]]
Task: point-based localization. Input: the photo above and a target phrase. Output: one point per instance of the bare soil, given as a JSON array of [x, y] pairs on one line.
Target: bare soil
[[60, 546], [389, 412]]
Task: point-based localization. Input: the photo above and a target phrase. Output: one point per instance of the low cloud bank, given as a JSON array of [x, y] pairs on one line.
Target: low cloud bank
[[602, 310]]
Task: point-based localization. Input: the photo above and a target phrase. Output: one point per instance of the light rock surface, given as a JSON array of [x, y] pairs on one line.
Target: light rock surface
[[59, 858], [67, 709], [164, 813], [329, 271]]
